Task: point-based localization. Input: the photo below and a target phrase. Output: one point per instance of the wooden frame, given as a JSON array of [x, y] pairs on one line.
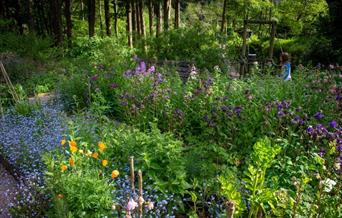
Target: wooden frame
[[273, 24]]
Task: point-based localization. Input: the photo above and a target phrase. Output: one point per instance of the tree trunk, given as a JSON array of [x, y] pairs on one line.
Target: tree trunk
[[133, 16], [115, 6], [137, 17], [107, 18], [91, 17], [142, 20], [82, 10], [67, 14], [177, 14], [18, 17], [129, 23], [2, 9], [159, 19], [56, 20], [224, 20], [100, 16], [150, 16], [166, 10]]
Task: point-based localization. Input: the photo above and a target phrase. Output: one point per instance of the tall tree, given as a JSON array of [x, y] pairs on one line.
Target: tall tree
[[18, 17], [91, 17], [150, 16], [159, 18], [137, 17], [116, 15], [56, 20], [224, 19], [100, 16], [177, 13], [67, 14], [141, 18], [166, 14], [129, 23], [107, 18]]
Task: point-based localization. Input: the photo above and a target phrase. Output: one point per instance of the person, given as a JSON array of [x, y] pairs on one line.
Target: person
[[285, 66]]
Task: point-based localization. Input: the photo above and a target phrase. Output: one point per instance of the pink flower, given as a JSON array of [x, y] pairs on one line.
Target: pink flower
[[132, 204]]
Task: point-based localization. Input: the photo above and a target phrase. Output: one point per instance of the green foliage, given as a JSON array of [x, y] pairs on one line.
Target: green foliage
[[81, 193]]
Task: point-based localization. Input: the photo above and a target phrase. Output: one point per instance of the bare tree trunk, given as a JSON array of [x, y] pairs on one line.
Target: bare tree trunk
[[159, 19], [166, 9], [56, 19], [150, 16], [67, 14], [134, 28], [91, 17], [177, 14], [142, 20], [82, 10], [137, 17], [100, 16], [18, 17], [224, 20], [107, 18], [115, 6], [129, 23]]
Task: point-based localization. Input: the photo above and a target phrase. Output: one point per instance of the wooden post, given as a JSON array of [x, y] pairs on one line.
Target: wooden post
[[230, 208], [141, 199], [273, 32], [132, 173], [244, 47]]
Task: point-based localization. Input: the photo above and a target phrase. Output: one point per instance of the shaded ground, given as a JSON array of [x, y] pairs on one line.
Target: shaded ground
[[7, 191]]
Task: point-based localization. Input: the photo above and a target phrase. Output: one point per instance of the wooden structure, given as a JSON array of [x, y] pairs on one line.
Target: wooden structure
[[246, 22]]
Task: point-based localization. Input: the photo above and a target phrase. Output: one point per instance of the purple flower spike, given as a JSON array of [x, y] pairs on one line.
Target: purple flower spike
[[142, 66], [280, 114], [318, 115], [333, 124]]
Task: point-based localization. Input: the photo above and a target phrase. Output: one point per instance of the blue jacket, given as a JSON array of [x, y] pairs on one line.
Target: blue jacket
[[287, 71]]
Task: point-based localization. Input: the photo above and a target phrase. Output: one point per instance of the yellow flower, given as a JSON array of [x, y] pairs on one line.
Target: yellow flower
[[63, 142], [95, 155], [81, 151], [73, 143], [72, 162], [73, 149], [104, 163], [115, 173], [60, 196], [64, 168], [102, 146]]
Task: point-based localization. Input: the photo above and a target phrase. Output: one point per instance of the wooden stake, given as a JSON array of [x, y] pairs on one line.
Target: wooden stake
[[230, 208], [132, 173], [141, 198]]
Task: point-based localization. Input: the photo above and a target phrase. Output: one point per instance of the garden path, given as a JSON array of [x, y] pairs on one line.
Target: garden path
[[8, 189]]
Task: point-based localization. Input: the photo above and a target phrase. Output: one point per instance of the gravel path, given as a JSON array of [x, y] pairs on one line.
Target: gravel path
[[7, 192]]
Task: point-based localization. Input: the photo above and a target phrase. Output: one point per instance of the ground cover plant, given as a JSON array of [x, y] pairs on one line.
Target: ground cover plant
[[141, 109]]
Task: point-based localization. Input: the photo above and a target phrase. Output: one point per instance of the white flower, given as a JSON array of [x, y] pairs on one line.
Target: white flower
[[141, 200], [328, 184], [150, 205], [132, 204]]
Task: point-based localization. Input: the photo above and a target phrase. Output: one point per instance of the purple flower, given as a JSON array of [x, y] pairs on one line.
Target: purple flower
[[280, 114], [338, 97], [128, 74], [152, 69], [333, 124], [178, 113], [114, 86], [208, 82], [310, 130], [322, 152], [318, 115], [339, 148], [224, 108], [141, 68], [238, 110], [94, 78], [159, 79]]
